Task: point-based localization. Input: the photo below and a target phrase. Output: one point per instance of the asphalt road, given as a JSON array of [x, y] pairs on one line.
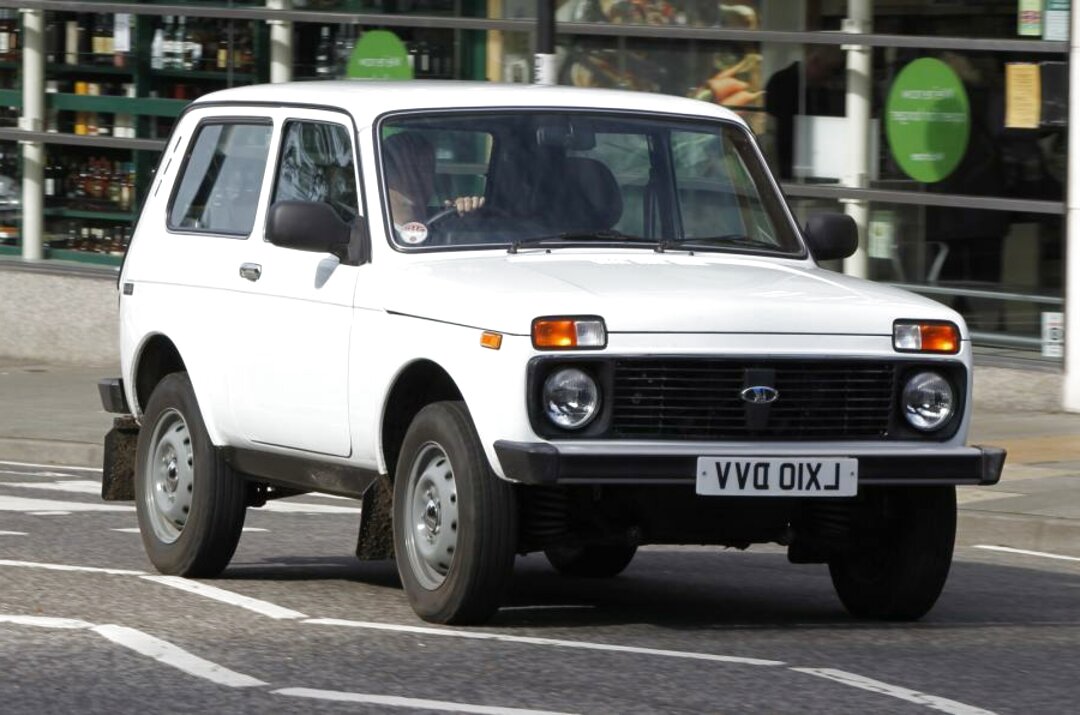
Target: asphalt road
[[297, 624]]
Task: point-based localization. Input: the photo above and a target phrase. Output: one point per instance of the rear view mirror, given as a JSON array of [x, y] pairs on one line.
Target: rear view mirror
[[315, 226], [831, 236]]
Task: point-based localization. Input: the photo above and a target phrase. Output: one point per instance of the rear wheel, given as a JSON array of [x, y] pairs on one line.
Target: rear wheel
[[455, 522], [189, 503], [591, 561], [899, 563]]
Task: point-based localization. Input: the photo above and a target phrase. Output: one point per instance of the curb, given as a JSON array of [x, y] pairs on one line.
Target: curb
[[45, 451], [1019, 531]]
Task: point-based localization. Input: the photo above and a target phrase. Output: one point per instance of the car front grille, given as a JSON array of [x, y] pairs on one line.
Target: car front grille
[[701, 399]]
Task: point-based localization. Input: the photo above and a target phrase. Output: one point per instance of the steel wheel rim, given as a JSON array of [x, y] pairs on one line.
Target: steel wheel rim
[[169, 476], [431, 519]]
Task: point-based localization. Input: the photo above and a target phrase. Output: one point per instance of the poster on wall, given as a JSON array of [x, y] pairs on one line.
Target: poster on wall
[[725, 73]]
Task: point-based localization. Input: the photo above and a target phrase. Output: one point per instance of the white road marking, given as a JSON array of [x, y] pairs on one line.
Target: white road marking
[[392, 701], [135, 529], [1025, 552], [74, 486], [528, 640], [45, 622], [25, 504], [289, 507], [49, 513], [912, 696], [12, 533], [176, 657], [264, 608], [51, 466], [65, 567]]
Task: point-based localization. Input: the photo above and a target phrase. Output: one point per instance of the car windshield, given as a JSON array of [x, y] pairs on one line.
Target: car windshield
[[558, 178]]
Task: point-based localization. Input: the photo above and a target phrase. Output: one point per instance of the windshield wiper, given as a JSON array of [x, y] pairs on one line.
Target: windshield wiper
[[733, 240], [610, 236]]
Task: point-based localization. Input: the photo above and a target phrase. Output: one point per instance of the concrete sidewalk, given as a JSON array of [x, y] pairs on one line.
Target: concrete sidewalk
[[52, 415]]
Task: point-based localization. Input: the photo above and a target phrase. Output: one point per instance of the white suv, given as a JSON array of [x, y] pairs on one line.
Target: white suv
[[517, 319]]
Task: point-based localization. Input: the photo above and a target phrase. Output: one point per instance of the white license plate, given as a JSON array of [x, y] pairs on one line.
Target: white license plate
[[771, 477]]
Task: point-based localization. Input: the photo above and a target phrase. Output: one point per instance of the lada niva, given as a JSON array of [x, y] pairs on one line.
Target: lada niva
[[518, 319]]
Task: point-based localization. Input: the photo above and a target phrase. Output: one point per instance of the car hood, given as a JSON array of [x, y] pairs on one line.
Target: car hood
[[638, 291]]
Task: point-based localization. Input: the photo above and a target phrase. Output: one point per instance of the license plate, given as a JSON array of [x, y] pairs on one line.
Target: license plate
[[770, 477]]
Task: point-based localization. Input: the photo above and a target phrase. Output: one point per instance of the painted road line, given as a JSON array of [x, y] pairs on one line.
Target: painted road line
[[50, 466], [73, 486], [912, 696], [49, 513], [1025, 552], [135, 529], [392, 701], [288, 507], [264, 608], [146, 644], [45, 622], [175, 657], [528, 640], [12, 533], [24, 504], [65, 567]]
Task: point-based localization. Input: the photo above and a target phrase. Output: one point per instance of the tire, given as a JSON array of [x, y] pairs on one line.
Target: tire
[[592, 561], [899, 575], [190, 504], [455, 522]]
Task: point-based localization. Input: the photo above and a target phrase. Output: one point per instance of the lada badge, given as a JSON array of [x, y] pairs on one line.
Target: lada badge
[[760, 395]]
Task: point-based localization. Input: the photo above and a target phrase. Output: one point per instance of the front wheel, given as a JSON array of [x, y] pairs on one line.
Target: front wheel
[[455, 522], [899, 563], [190, 504]]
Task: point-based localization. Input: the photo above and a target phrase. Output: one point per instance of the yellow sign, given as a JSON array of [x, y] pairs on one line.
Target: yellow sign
[[1023, 95]]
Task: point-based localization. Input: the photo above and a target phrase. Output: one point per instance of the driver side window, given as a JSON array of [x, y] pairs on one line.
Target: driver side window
[[316, 164]]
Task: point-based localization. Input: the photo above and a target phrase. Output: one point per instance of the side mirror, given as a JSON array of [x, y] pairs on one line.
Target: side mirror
[[315, 226], [831, 236]]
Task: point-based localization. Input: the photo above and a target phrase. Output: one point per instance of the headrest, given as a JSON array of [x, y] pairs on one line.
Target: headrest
[[591, 198]]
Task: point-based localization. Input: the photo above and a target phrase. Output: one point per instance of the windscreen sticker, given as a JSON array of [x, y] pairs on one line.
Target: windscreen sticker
[[414, 232]]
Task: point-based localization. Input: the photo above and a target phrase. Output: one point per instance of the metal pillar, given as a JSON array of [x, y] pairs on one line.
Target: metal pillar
[[33, 153], [544, 71], [1071, 396], [859, 77], [281, 44]]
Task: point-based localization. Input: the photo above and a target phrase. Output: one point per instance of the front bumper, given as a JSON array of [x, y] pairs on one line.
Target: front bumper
[[545, 464]]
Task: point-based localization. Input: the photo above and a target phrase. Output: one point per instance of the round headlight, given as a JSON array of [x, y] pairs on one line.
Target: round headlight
[[571, 398], [928, 401]]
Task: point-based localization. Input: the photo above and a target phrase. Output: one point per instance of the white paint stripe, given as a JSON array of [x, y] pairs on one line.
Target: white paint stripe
[[135, 529], [51, 466], [74, 486], [64, 567], [24, 504], [176, 657], [45, 622], [49, 513], [12, 533], [528, 640], [912, 696], [291, 507], [264, 608], [1025, 552], [392, 701]]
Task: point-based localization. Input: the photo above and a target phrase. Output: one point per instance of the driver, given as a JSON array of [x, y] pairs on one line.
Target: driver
[[410, 178]]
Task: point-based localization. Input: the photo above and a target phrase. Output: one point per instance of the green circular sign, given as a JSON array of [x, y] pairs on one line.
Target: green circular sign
[[379, 55], [927, 120]]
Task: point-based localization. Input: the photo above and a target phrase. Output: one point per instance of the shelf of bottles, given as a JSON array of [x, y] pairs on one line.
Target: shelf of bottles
[[119, 76]]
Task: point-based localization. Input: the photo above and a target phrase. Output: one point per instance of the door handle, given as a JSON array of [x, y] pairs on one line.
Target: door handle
[[251, 271]]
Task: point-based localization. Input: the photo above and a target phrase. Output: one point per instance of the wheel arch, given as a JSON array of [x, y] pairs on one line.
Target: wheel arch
[[417, 384], [157, 357]]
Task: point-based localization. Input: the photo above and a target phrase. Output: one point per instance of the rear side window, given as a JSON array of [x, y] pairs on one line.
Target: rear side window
[[222, 178], [317, 165]]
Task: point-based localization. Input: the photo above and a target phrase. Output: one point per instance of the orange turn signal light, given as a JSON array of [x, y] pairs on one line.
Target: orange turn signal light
[[926, 337], [568, 333], [491, 340]]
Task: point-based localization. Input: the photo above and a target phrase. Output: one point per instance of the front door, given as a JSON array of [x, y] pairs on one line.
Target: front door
[[290, 390]]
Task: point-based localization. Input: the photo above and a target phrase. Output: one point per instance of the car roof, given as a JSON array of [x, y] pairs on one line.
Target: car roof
[[368, 99]]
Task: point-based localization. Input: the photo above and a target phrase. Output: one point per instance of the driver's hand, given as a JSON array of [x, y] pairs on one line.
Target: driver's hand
[[465, 204]]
